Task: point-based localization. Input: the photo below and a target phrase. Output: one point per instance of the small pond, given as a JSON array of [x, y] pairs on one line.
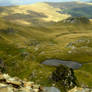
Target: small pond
[[56, 62]]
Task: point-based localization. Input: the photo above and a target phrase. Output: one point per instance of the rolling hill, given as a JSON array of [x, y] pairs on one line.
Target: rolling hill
[[45, 13], [74, 8], [24, 45], [37, 13]]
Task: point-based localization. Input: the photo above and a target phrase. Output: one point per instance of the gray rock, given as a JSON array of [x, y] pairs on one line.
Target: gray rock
[[51, 89]]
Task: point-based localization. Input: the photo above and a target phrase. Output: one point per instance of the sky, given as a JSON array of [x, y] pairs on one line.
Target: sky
[[20, 2]]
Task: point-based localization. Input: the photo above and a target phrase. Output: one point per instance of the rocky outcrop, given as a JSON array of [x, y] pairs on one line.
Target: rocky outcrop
[[8, 84], [77, 89], [73, 20], [51, 89], [64, 76], [14, 84]]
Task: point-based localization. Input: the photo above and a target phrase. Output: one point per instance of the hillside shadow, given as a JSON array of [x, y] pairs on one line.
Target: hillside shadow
[[30, 16], [83, 11]]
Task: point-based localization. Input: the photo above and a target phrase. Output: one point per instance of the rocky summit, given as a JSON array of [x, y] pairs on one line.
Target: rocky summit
[[9, 84], [14, 84], [75, 20]]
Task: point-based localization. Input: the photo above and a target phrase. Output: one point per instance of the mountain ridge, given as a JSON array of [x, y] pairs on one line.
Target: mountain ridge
[[32, 13], [45, 13], [34, 33], [75, 9]]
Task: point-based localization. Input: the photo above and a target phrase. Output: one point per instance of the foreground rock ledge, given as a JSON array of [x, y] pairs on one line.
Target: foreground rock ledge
[[8, 84], [77, 89]]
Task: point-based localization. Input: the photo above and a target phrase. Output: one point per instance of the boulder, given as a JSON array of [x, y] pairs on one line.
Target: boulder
[[28, 84], [64, 76], [35, 90], [26, 89], [77, 89], [51, 89], [6, 76], [5, 88], [74, 20], [14, 82], [36, 86]]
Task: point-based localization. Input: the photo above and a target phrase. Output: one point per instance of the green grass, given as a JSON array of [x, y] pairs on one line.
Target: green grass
[[41, 43], [84, 75]]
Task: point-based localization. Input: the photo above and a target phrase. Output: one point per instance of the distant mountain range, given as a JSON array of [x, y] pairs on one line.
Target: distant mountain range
[[32, 14], [41, 13], [74, 8]]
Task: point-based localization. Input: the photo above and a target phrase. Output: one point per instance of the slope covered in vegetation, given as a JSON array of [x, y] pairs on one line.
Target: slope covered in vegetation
[[77, 8], [39, 14], [22, 49]]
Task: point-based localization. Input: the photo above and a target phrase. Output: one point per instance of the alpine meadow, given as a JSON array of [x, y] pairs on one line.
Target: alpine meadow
[[46, 46]]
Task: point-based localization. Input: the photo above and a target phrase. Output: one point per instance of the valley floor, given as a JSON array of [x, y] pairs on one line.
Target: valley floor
[[23, 49]]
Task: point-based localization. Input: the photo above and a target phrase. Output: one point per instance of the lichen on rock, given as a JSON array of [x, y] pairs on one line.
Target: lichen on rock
[[64, 76], [9, 84]]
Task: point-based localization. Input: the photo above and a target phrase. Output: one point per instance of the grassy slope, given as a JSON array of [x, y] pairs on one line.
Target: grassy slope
[[23, 48], [75, 8], [31, 14], [14, 42], [84, 75]]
